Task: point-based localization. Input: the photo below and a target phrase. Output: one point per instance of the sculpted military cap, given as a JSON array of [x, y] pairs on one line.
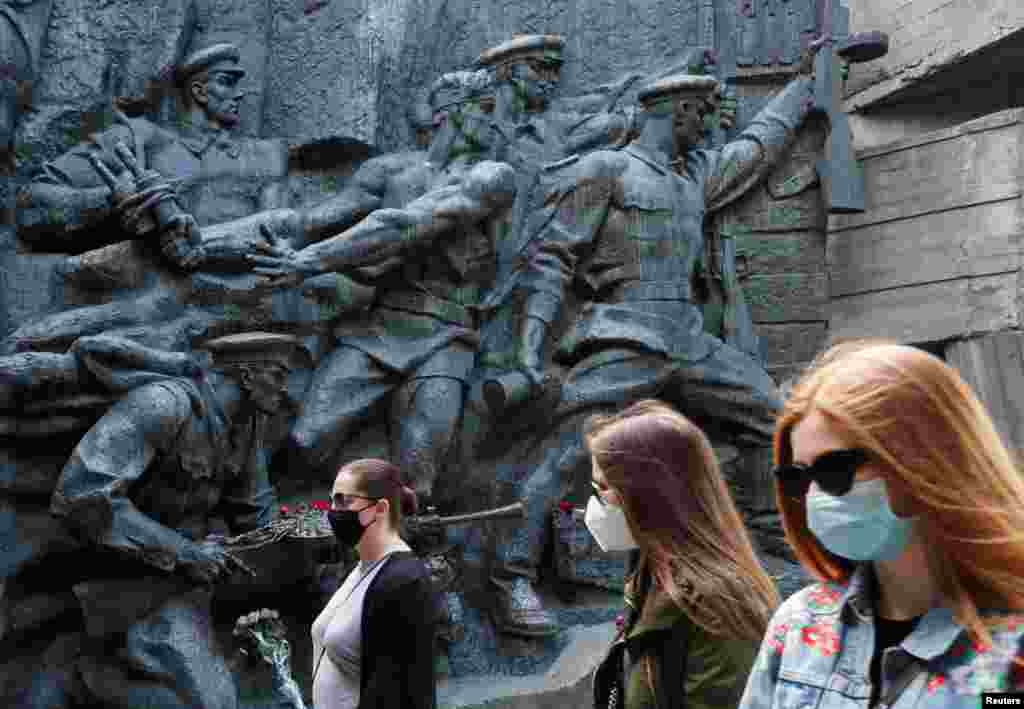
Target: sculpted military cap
[[255, 347], [218, 57], [457, 87], [546, 47], [679, 85]]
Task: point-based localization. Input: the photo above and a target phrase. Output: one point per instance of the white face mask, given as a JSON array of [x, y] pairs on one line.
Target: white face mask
[[608, 525]]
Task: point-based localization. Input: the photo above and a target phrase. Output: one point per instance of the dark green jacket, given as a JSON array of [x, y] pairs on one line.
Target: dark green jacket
[[716, 668]]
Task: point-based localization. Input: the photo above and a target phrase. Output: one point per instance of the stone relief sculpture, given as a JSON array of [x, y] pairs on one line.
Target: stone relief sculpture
[[22, 29], [627, 226], [221, 176], [431, 261], [146, 481], [518, 211]]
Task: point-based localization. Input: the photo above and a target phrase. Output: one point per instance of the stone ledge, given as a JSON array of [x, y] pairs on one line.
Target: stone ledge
[[565, 685]]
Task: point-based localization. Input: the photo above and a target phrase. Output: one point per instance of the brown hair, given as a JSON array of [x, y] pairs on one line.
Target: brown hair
[[681, 513], [936, 444], [381, 480]]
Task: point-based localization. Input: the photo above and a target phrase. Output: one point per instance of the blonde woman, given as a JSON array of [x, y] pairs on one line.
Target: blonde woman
[[897, 492], [698, 601]]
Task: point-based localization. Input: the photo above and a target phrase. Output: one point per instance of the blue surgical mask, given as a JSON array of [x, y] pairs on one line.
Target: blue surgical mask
[[859, 525]]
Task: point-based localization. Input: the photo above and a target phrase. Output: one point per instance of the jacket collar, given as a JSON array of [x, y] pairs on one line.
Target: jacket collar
[[935, 632], [657, 159], [197, 141]]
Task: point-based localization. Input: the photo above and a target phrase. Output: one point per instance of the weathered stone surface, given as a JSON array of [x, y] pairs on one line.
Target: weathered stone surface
[[35, 610], [978, 240], [179, 636], [930, 312], [43, 677], [788, 296], [790, 343], [28, 533], [912, 177], [29, 474], [993, 365], [759, 253], [929, 35]]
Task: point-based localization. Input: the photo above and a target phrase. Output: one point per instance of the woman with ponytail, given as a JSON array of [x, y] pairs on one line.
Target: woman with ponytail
[[373, 644]]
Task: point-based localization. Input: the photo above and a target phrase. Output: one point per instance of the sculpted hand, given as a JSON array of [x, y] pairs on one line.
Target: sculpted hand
[[181, 242], [134, 205], [121, 184], [208, 562], [279, 264], [808, 55]]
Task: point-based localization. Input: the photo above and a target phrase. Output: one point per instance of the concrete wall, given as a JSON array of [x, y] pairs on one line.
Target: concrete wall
[[926, 37]]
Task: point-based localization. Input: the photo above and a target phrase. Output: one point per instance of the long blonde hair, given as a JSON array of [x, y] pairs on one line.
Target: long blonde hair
[[681, 513], [937, 445]]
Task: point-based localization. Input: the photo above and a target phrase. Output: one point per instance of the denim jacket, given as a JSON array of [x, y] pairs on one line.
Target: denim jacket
[[817, 653]]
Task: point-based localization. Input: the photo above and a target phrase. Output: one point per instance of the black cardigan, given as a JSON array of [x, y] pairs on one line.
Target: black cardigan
[[399, 631]]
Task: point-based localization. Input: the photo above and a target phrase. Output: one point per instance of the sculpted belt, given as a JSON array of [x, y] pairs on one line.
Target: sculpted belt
[[653, 290], [420, 302]]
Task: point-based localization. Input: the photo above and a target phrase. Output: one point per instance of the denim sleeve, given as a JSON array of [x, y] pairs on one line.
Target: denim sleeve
[[760, 690]]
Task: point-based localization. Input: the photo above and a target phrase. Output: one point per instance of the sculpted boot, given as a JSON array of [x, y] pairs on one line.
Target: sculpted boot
[[515, 558]]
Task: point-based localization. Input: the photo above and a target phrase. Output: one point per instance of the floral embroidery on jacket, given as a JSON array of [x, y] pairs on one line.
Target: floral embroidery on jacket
[[822, 635], [977, 667], [824, 597], [777, 637], [809, 626]]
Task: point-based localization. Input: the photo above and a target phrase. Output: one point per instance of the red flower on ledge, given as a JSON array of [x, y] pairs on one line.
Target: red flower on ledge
[[565, 506], [322, 505], [284, 509]]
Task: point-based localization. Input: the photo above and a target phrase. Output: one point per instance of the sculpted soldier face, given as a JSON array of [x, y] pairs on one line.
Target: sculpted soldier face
[[220, 96], [688, 123], [541, 81], [267, 385]]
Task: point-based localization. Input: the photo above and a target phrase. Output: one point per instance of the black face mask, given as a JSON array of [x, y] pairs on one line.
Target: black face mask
[[346, 525]]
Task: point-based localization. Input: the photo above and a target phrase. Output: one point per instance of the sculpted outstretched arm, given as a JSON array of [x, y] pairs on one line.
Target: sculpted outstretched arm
[[387, 233], [747, 160]]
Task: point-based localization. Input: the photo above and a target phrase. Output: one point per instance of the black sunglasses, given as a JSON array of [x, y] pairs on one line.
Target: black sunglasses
[[832, 471], [342, 500]]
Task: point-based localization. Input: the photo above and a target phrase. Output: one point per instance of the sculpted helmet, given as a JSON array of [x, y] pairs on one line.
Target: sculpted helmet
[[256, 348], [218, 57], [677, 86], [545, 48]]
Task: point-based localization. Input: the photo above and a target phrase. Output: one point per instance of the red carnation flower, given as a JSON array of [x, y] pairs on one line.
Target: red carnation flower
[[284, 509], [565, 506]]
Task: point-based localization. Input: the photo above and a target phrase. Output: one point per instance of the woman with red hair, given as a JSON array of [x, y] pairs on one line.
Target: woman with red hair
[[897, 492]]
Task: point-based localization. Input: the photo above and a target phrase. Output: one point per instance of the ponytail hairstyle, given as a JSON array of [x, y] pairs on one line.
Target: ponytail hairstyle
[[380, 480]]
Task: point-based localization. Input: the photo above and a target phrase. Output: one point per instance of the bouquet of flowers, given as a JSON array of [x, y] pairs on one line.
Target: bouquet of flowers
[[308, 520]]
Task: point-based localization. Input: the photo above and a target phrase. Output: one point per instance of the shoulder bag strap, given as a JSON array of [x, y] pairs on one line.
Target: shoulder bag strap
[[672, 667]]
